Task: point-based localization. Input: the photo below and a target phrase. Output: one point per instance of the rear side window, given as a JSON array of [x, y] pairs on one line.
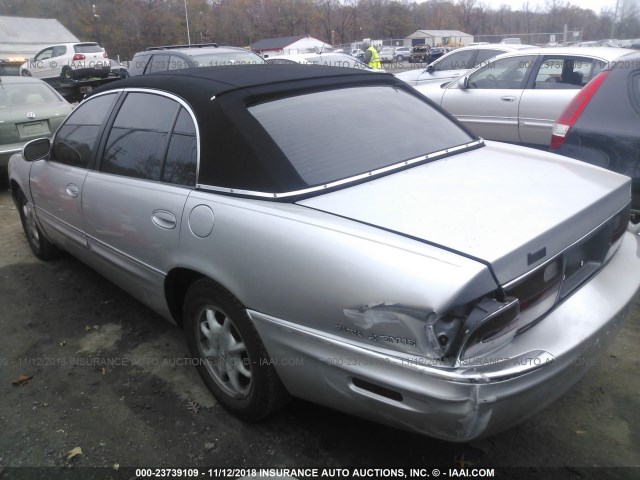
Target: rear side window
[[177, 62], [455, 61], [562, 73], [59, 50], [77, 139], [152, 138], [484, 55], [340, 140]]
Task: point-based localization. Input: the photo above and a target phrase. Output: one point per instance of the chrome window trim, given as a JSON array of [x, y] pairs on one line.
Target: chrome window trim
[[176, 98], [337, 183]]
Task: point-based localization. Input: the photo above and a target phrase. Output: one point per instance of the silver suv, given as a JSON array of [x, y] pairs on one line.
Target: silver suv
[[174, 57]]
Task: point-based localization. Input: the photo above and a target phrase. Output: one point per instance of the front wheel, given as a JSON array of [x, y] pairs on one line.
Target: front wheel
[[40, 246], [229, 354], [26, 73]]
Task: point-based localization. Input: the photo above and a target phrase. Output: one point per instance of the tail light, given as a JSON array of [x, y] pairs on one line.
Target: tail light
[[572, 112], [78, 56], [104, 54]]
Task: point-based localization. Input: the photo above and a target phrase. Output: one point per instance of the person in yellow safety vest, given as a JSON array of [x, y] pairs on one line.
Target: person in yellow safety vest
[[371, 56]]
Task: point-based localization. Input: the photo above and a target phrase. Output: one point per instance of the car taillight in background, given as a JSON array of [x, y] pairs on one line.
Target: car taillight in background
[[104, 54], [572, 112], [78, 56]]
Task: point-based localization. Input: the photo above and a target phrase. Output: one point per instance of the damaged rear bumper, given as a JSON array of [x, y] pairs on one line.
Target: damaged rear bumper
[[483, 396]]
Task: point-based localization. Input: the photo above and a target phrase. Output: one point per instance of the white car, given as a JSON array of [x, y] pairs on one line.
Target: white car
[[455, 63], [516, 97], [69, 61]]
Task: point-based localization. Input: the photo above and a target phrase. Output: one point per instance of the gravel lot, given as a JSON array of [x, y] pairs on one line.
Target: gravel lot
[[61, 323]]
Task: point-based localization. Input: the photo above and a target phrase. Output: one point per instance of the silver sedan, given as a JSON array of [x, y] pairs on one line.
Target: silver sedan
[[517, 97], [443, 285]]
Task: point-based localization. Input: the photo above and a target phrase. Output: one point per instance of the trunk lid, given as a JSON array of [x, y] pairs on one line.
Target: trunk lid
[[510, 206]]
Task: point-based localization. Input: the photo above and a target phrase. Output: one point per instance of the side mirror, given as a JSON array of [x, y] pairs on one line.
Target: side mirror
[[36, 149], [465, 83], [430, 68]]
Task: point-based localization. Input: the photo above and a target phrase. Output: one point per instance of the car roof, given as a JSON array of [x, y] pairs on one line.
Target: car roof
[[194, 50], [218, 97], [607, 53]]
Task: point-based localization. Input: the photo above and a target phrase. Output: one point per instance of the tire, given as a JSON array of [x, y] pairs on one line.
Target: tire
[[25, 73], [40, 246], [67, 73], [229, 354], [400, 58]]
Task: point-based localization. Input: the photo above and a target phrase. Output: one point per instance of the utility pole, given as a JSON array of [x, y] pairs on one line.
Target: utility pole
[[613, 23], [186, 16]]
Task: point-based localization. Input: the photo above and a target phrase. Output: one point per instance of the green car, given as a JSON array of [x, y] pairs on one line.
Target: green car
[[29, 108]]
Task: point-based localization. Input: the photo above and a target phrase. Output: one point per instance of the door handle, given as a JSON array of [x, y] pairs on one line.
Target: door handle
[[508, 98], [72, 190], [164, 219]]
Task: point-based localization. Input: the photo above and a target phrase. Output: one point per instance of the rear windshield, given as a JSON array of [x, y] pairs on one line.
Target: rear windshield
[[337, 134], [19, 94], [227, 58], [87, 48]]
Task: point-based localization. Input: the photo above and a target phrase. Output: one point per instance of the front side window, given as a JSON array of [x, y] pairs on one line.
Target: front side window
[[44, 54], [505, 73], [152, 138], [77, 139], [350, 144], [159, 63]]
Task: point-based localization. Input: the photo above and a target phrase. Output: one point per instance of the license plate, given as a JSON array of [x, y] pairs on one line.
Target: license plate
[[33, 128]]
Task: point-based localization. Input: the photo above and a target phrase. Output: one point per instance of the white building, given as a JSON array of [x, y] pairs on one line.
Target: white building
[[288, 45], [439, 37], [21, 37]]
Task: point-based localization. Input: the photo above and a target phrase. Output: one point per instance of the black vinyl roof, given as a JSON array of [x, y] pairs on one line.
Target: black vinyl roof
[[235, 150]]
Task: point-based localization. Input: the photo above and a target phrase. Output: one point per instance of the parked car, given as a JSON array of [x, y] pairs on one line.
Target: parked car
[[176, 57], [455, 63], [440, 284], [29, 108], [511, 41], [357, 53], [601, 124], [118, 68], [402, 53], [68, 60], [420, 54], [326, 59], [516, 97], [594, 43], [387, 54], [437, 52]]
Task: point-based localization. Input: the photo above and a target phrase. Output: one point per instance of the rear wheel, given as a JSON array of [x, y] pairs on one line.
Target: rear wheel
[[41, 247], [67, 73], [229, 354]]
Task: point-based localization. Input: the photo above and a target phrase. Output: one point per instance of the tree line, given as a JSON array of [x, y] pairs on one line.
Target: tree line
[[124, 27]]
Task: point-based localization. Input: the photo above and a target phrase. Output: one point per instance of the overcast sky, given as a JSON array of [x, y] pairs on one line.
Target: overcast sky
[[595, 5]]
